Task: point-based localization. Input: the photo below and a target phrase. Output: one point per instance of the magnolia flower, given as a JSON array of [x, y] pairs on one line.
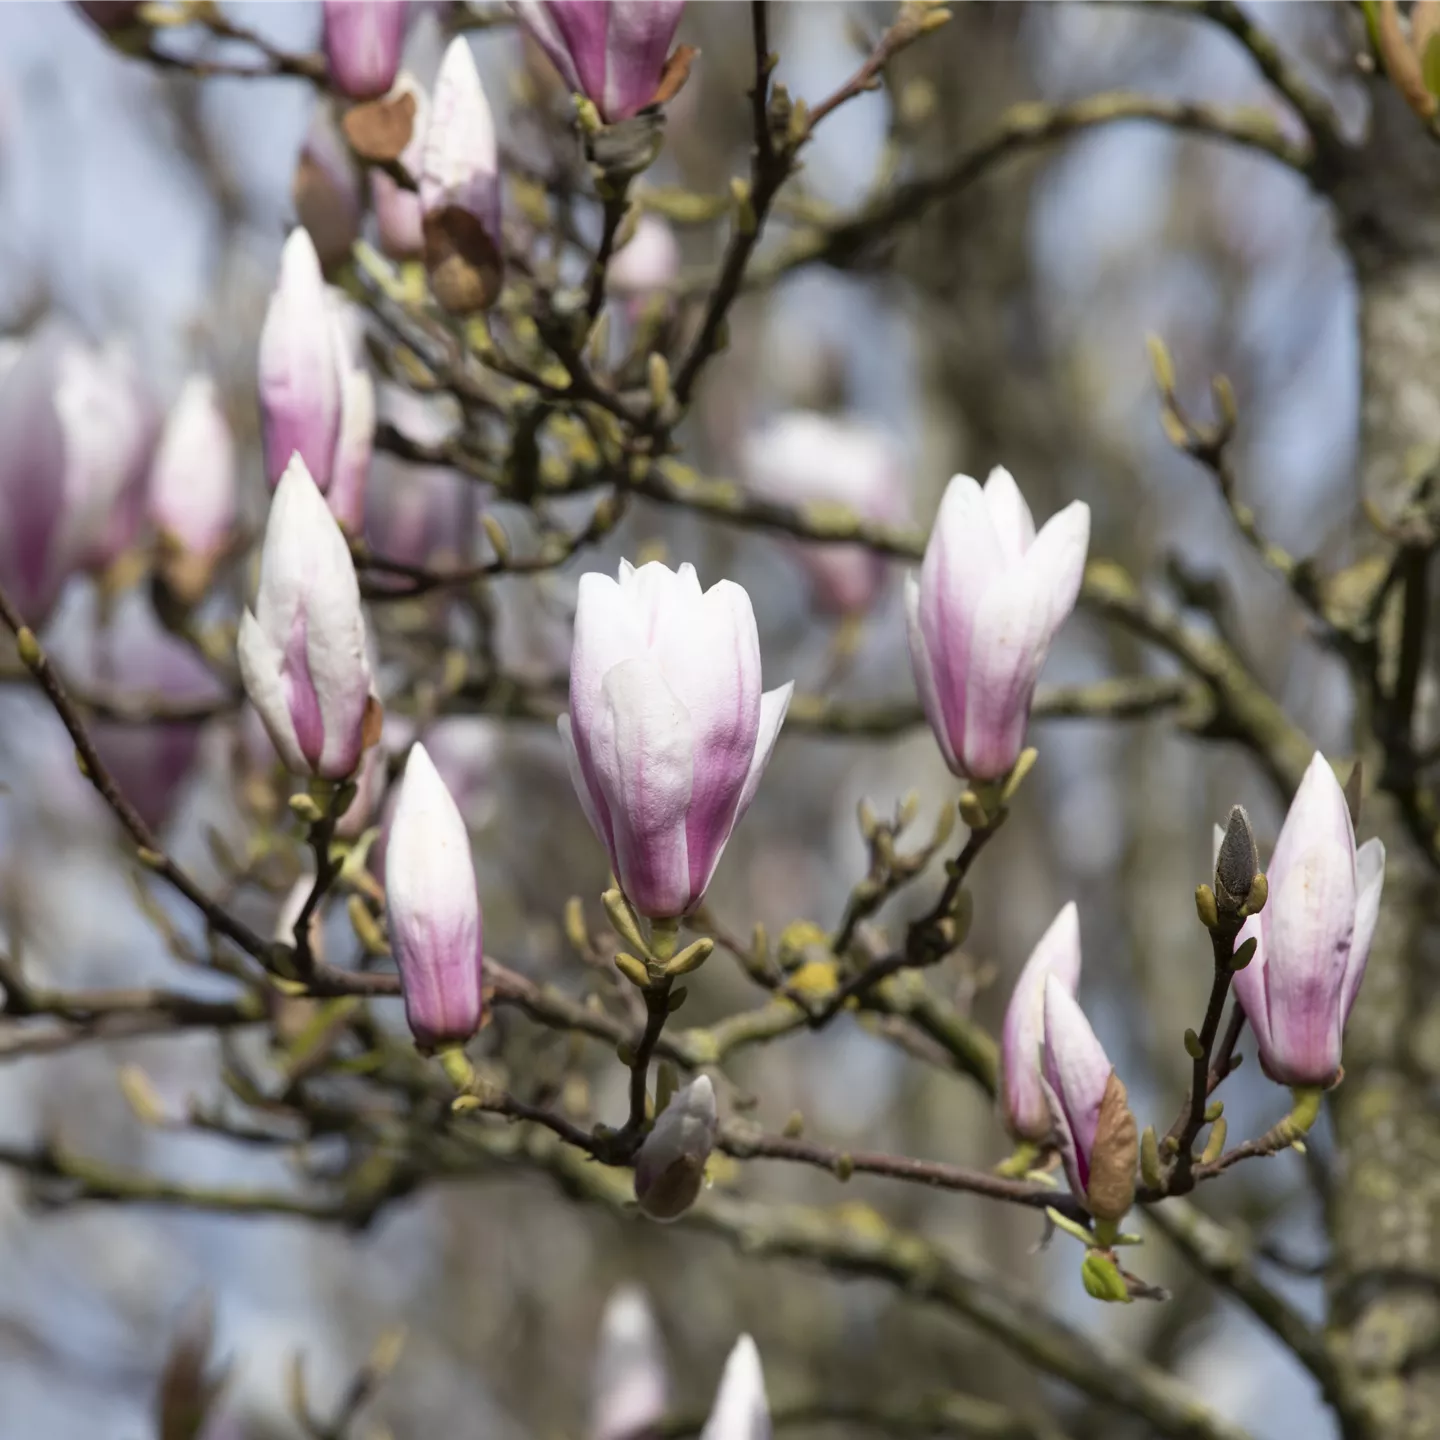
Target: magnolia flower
[[614, 52], [990, 597], [363, 39], [1023, 1106], [648, 262], [192, 485], [741, 1411], [326, 190], [1313, 936], [436, 930], [34, 558], [316, 398], [670, 1166], [302, 650], [1093, 1124], [668, 733], [460, 189], [110, 429], [804, 458], [630, 1392]]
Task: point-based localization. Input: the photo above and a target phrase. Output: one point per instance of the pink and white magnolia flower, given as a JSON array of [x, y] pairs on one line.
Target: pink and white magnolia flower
[[670, 1166], [110, 428], [192, 478], [1313, 936], [1023, 1105], [363, 40], [647, 263], [317, 399], [611, 51], [35, 560], [630, 1393], [668, 732], [1075, 1073], [805, 457], [436, 929], [302, 650], [990, 598], [741, 1410]]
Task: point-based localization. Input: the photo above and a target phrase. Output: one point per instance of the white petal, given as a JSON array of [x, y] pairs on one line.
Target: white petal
[[773, 705], [1009, 514], [642, 752], [259, 661], [925, 674], [588, 803], [630, 1391], [1318, 814], [741, 1411], [1056, 561]]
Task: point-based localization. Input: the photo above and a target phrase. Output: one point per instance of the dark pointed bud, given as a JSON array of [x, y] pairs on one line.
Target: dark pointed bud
[[1237, 863]]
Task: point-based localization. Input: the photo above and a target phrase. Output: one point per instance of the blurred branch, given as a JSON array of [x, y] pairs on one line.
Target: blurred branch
[[1219, 1254], [1312, 107]]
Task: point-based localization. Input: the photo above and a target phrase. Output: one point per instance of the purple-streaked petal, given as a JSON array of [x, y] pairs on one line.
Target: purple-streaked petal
[[592, 804], [536, 17], [925, 674], [299, 378], [1075, 1067], [1250, 982], [432, 909], [642, 750], [962, 560], [363, 40], [1027, 1116], [260, 662], [1312, 921], [637, 45], [709, 652]]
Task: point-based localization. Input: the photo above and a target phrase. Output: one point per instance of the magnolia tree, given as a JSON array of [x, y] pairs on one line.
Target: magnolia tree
[[485, 282]]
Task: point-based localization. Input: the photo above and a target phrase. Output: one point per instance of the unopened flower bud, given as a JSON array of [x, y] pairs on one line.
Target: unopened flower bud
[[302, 651], [433, 911], [460, 189], [1237, 862], [989, 577], [670, 1168], [363, 40]]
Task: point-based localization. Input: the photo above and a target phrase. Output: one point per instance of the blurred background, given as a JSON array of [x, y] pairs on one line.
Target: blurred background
[[147, 209]]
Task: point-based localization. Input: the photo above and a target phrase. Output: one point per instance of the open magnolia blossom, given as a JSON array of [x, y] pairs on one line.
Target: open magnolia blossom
[[1092, 1121], [614, 52], [302, 649], [990, 597], [741, 1411], [1313, 935], [630, 1391], [670, 1167], [1023, 1105], [436, 930], [668, 732]]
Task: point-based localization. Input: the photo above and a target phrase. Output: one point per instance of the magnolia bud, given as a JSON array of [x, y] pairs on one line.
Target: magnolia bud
[[460, 189], [436, 929], [741, 1411], [363, 40], [670, 1167]]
